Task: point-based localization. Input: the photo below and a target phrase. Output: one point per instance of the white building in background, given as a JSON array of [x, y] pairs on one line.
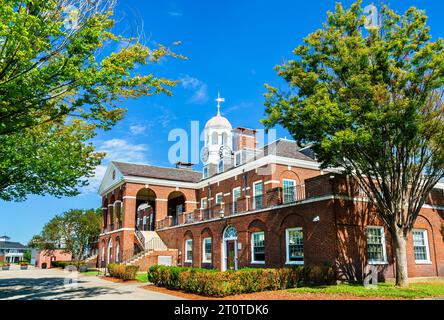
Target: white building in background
[[10, 251]]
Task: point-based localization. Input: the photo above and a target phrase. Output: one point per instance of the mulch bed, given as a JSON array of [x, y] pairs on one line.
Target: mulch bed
[[267, 295], [116, 280]]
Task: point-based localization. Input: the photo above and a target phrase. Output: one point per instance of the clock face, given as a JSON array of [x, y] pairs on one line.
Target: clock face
[[205, 154], [224, 151]]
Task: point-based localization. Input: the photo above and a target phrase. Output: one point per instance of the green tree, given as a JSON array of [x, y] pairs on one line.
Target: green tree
[[370, 101], [62, 69], [74, 232]]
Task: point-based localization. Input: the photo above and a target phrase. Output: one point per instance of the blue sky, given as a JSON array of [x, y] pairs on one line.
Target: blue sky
[[232, 46]]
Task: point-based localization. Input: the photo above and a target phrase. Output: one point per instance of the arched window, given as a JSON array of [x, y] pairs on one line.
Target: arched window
[[118, 250], [110, 250], [230, 233], [214, 138], [224, 138]]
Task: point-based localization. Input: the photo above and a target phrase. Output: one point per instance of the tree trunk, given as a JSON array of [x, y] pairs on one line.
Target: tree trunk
[[400, 249]]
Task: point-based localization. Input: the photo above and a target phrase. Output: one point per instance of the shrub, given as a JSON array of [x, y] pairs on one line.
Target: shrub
[[219, 284], [121, 271]]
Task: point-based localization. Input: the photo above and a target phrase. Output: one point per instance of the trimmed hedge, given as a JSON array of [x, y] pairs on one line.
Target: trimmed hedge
[[64, 264], [121, 271], [220, 284]]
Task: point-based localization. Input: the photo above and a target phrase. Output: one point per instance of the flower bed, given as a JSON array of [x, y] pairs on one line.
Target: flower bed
[[220, 284]]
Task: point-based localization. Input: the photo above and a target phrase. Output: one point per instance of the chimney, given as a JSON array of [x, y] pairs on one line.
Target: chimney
[[244, 138]]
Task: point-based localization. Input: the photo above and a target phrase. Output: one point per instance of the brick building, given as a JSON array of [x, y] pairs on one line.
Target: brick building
[[255, 207]]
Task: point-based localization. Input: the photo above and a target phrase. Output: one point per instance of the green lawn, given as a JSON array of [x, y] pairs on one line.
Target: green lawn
[[388, 290], [89, 273], [142, 277]]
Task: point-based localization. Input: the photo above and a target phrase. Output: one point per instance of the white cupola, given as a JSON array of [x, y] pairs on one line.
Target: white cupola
[[218, 137]]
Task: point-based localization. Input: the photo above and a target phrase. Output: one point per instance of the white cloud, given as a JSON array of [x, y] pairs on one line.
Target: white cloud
[[116, 150], [198, 87], [137, 129]]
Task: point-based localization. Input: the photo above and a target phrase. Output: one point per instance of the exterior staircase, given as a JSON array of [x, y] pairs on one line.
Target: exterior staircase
[[150, 242]]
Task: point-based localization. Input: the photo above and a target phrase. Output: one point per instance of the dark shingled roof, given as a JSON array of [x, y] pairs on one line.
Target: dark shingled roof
[[11, 245], [287, 149], [141, 170]]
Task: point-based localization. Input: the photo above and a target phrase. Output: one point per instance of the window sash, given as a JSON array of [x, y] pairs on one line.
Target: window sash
[[258, 247], [289, 190], [207, 250], [295, 245], [420, 246], [258, 195], [376, 252], [189, 250], [219, 198]]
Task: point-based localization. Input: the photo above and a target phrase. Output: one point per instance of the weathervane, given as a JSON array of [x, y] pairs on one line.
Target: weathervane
[[219, 100]]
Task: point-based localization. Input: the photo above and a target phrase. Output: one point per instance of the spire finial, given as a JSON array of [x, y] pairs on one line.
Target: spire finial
[[219, 100]]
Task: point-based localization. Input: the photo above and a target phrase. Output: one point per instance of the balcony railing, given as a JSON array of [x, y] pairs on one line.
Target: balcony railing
[[246, 203]]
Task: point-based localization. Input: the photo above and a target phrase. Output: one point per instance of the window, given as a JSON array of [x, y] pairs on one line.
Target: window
[[220, 166], [421, 246], [258, 247], [294, 240], [219, 198], [236, 195], [204, 203], [257, 195], [224, 138], [205, 172], [238, 158], [214, 138], [289, 190], [144, 223], [376, 252], [189, 250], [206, 250]]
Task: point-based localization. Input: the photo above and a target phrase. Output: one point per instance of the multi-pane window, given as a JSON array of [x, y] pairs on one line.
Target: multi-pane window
[[258, 195], [219, 198], [207, 250], [289, 190], [189, 250], [420, 246], [295, 245], [258, 247], [205, 172], [236, 195], [376, 245]]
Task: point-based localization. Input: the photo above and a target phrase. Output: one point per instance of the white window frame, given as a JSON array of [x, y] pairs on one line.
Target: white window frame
[[186, 250], [287, 244], [236, 164], [204, 259], [254, 194], [384, 246], [219, 170], [221, 198], [252, 248], [202, 207], [283, 190], [233, 200], [426, 243], [205, 172]]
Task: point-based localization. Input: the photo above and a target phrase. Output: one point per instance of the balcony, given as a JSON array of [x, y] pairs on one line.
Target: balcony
[[245, 203]]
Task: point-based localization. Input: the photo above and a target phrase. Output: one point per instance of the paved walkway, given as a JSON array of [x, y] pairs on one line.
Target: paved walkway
[[35, 284]]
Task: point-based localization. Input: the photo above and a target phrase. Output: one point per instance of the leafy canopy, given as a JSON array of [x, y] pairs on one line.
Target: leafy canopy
[[74, 232], [369, 101], [58, 87]]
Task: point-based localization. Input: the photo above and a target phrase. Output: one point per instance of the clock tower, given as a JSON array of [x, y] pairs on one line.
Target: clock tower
[[218, 137]]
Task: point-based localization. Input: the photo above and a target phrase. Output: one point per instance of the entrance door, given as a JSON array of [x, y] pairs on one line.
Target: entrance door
[[231, 254]]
